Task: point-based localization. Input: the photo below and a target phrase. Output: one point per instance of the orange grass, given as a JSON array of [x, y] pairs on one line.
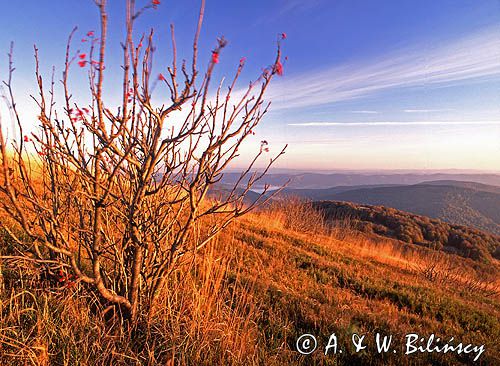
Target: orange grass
[[249, 294]]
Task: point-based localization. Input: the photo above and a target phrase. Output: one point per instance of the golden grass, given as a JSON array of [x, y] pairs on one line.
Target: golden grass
[[247, 296]]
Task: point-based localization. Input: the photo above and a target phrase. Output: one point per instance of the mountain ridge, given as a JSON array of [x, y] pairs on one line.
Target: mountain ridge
[[456, 202], [328, 180]]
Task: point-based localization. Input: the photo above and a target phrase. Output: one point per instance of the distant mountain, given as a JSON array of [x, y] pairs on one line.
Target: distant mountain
[[318, 194], [471, 185], [465, 203], [413, 229], [323, 180]]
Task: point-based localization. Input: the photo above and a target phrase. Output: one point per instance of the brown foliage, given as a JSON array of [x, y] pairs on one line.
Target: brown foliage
[[415, 229]]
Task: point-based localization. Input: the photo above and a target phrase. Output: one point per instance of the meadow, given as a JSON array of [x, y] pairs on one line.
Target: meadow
[[247, 297]]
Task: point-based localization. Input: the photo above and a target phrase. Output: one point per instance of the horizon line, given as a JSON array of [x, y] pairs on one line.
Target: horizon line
[[393, 123]]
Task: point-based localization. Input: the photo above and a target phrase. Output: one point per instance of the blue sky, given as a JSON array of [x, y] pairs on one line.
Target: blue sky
[[367, 85]]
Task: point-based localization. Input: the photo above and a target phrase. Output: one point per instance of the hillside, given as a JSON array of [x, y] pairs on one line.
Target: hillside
[[413, 229], [470, 185], [320, 285], [248, 297], [463, 203]]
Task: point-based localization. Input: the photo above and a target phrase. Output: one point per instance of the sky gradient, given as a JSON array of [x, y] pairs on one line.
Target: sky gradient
[[367, 85]]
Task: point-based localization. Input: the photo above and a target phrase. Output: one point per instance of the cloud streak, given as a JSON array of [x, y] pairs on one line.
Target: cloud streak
[[298, 5], [471, 57], [395, 123], [365, 112]]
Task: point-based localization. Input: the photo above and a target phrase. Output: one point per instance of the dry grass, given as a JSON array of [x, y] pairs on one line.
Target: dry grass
[[252, 293], [295, 214], [205, 316]]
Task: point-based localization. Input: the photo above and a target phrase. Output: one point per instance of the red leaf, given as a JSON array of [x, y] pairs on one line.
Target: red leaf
[[82, 56], [90, 34], [82, 63], [283, 35], [161, 77]]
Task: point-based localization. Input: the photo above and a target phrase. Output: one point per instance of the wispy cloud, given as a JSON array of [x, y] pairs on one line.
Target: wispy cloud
[[298, 5], [472, 57], [394, 123], [365, 112]]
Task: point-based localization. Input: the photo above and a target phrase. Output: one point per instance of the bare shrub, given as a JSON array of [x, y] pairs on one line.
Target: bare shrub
[[439, 268], [442, 269], [118, 195]]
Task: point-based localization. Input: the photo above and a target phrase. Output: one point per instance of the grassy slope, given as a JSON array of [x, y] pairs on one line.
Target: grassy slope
[[247, 299], [316, 284]]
